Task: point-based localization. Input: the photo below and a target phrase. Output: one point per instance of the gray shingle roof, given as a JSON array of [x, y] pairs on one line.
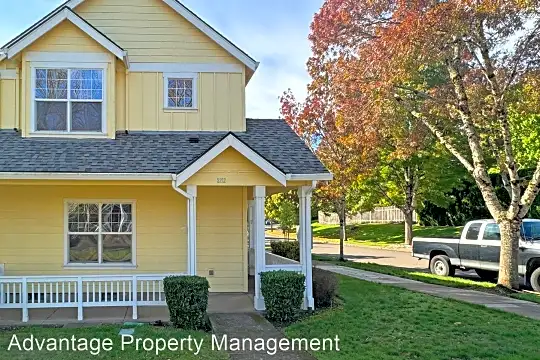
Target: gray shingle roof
[[151, 152]]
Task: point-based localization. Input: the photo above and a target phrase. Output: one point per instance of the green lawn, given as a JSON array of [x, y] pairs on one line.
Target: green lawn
[[106, 332], [375, 234], [456, 282], [386, 323], [381, 234]]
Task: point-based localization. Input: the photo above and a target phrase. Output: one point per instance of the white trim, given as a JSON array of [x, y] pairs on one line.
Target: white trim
[[185, 68], [192, 230], [68, 57], [194, 77], [231, 141], [65, 14], [82, 176], [305, 241], [308, 177], [202, 26], [8, 74], [69, 66], [259, 195], [2, 55], [101, 265]]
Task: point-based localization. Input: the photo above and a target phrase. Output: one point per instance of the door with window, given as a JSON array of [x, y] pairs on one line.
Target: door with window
[[468, 245], [490, 246]]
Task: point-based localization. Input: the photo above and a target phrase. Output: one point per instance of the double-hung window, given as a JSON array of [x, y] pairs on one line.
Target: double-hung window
[[180, 91], [69, 100], [100, 233]]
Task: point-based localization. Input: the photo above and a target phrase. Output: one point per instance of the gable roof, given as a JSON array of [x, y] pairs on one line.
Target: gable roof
[[54, 18], [154, 152], [203, 26], [231, 141]]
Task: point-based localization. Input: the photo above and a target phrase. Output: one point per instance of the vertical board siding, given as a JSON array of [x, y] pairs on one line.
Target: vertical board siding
[[152, 32], [32, 230], [220, 237], [220, 104], [8, 103]]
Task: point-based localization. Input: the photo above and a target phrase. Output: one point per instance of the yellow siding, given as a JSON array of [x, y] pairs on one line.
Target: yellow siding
[[220, 104], [232, 168], [221, 243], [152, 32], [66, 37], [8, 104], [32, 230]]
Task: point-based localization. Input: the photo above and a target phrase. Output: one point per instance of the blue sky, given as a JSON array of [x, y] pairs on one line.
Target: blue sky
[[274, 32]]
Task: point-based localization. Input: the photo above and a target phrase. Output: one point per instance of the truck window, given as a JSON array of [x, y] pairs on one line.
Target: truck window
[[492, 232], [473, 231], [530, 230]]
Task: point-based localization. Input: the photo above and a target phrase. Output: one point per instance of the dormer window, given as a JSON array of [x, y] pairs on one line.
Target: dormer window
[[69, 100], [180, 91]]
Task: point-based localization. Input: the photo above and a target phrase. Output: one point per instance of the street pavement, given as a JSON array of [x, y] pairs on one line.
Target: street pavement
[[397, 258], [367, 254]]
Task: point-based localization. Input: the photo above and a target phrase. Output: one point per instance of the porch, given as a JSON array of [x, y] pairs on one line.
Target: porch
[[218, 303]]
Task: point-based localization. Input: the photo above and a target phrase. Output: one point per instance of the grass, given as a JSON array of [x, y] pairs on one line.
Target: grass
[[375, 234], [456, 282], [106, 332], [387, 323]]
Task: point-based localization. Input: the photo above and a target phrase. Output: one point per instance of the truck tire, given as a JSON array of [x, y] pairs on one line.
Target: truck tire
[[440, 265], [535, 280], [486, 275]]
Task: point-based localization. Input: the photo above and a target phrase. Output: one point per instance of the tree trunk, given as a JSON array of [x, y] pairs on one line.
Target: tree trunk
[[408, 226], [508, 269], [342, 230]]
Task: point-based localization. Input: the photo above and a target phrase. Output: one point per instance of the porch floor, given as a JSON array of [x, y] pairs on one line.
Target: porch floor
[[225, 303]]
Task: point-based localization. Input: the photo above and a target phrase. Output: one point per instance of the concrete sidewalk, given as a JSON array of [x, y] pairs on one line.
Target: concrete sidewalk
[[520, 307], [252, 326]]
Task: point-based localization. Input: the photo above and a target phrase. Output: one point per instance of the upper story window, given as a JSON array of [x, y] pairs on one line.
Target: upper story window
[[180, 91], [69, 100]]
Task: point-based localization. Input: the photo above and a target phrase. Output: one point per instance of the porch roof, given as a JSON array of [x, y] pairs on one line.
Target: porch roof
[[152, 152]]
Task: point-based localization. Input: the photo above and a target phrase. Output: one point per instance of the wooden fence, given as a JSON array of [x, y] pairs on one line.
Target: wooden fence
[[380, 215]]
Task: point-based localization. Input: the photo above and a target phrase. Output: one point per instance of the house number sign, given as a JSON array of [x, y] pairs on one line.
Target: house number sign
[[221, 180]]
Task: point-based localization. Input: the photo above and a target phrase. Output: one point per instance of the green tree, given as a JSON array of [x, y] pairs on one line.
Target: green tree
[[406, 181], [288, 216]]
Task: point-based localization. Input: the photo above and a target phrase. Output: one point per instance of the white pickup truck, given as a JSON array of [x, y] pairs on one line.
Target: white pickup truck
[[478, 248]]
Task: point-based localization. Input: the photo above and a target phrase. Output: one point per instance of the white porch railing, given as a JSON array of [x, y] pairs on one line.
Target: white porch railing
[[42, 292]]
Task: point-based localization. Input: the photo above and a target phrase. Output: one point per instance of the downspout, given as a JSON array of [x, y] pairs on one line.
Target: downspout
[[191, 263], [177, 189]]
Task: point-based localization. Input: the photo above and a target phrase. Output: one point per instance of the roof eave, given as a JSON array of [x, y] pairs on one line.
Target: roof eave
[[19, 44]]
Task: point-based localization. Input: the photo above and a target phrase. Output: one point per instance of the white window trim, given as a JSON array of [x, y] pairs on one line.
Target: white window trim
[[132, 265], [61, 65], [195, 90]]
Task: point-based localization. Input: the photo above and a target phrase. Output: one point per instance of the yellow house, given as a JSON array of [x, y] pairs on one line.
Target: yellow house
[[126, 156]]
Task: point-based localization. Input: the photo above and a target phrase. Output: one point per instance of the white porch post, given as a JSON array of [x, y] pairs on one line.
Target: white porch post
[[192, 230], [259, 193], [305, 242]]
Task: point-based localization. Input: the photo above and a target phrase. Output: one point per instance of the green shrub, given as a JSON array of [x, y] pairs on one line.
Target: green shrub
[[283, 293], [325, 287], [187, 299], [288, 249]]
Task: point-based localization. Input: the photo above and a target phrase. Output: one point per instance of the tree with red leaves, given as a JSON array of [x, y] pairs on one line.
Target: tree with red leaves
[[454, 66], [334, 141]]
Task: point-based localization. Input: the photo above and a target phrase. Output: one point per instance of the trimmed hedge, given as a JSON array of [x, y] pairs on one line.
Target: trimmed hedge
[[288, 249], [283, 293], [325, 287], [187, 299]]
